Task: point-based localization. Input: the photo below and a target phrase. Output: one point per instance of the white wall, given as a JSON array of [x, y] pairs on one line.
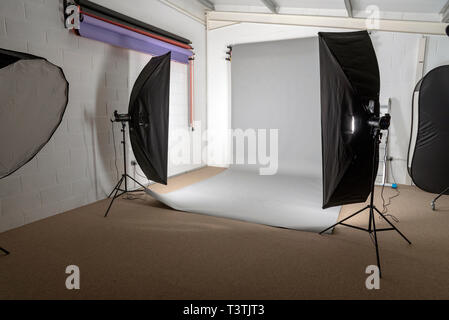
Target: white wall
[[77, 166], [397, 55], [437, 53], [218, 80]]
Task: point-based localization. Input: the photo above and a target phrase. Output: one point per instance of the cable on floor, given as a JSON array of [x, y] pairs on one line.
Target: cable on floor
[[384, 203]]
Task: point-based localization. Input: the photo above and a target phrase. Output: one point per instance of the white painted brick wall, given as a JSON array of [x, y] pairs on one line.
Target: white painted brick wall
[[36, 181], [10, 186], [77, 166], [2, 27], [24, 203], [437, 53], [55, 194], [24, 30], [13, 8]]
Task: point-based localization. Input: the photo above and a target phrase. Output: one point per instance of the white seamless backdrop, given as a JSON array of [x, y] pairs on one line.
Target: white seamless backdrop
[[274, 86]]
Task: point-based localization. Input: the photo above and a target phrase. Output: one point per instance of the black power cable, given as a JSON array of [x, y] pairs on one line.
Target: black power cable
[[385, 205]]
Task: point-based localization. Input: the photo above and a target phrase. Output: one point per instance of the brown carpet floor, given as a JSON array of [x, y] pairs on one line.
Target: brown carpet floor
[[145, 250]]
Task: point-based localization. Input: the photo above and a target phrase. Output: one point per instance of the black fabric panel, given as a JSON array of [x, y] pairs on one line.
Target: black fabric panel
[[349, 77], [103, 12], [430, 163], [7, 57], [149, 112]]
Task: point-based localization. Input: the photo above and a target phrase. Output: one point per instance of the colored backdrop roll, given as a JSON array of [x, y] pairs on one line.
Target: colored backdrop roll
[[100, 30]]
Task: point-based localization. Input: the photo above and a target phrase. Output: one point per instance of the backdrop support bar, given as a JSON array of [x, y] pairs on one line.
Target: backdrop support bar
[[6, 252]]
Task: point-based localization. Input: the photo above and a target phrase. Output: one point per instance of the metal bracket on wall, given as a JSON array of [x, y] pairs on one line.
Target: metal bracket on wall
[[229, 54]]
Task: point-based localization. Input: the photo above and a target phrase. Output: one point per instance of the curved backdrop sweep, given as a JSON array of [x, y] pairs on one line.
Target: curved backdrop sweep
[[428, 163], [149, 112], [349, 76], [33, 98]]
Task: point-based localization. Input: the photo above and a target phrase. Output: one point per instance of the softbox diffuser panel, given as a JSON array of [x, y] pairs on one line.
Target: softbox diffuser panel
[[149, 112], [349, 77], [430, 155], [33, 98]]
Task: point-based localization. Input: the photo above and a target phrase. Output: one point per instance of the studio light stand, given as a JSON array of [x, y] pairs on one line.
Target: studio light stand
[[118, 191], [6, 252], [377, 124]]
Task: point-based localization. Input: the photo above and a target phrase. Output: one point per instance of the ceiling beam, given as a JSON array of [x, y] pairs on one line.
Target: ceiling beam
[[348, 6], [445, 13], [271, 5], [208, 4], [183, 11], [422, 27]]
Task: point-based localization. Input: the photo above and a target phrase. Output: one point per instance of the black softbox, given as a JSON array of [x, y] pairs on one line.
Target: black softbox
[[33, 99], [149, 112], [349, 81], [428, 158]]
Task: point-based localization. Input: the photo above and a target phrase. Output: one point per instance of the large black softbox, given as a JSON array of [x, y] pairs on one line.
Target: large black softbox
[[149, 112], [33, 98], [349, 81], [428, 162]]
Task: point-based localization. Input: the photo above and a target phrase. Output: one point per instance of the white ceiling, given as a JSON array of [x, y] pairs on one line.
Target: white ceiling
[[420, 6], [426, 6], [317, 4], [427, 10]]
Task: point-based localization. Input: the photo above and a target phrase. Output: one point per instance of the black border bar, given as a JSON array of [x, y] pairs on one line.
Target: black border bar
[[93, 8]]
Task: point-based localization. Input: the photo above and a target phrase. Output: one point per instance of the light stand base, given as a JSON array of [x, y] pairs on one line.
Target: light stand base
[[371, 228], [117, 191], [377, 135], [6, 252]]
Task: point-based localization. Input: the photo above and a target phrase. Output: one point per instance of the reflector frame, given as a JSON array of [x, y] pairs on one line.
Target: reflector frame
[[25, 84], [428, 155]]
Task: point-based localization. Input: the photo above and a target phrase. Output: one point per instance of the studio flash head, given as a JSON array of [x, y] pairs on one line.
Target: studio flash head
[[383, 122], [121, 117]]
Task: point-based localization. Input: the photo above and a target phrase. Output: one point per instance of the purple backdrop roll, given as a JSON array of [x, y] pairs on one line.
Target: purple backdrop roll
[[106, 32]]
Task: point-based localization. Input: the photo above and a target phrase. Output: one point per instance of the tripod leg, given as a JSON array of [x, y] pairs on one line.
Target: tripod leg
[[375, 241], [370, 226], [392, 225], [116, 186], [434, 200], [4, 250], [115, 196], [344, 219]]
